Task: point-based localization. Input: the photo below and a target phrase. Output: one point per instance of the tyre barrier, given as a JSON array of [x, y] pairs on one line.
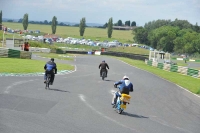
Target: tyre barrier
[[3, 52], [160, 65], [166, 67], [12, 53], [174, 68], [192, 72], [182, 70], [149, 62], [198, 74], [155, 64]]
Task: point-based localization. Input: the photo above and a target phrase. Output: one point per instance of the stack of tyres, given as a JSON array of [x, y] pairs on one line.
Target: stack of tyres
[[13, 53]]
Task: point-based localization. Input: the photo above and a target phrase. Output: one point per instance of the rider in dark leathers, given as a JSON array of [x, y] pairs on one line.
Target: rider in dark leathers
[[103, 67], [50, 68]]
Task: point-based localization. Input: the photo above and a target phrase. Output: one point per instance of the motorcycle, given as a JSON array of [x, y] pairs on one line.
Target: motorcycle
[[103, 74], [121, 102]]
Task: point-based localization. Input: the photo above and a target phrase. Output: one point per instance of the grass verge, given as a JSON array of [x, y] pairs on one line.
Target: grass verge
[[56, 56], [187, 82], [12, 65]]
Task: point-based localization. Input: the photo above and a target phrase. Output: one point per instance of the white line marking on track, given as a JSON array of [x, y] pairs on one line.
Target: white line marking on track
[[162, 78], [82, 97], [14, 84]]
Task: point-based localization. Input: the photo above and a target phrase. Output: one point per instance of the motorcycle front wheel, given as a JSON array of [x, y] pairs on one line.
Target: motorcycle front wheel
[[119, 111]]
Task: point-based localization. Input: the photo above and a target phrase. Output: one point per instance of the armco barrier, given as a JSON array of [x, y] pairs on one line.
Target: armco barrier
[[127, 55], [117, 54], [77, 52]]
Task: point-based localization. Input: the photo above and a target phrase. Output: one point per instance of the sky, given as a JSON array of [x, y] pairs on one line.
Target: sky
[[99, 11]]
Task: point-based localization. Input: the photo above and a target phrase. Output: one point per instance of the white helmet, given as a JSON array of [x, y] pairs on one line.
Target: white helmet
[[125, 77]]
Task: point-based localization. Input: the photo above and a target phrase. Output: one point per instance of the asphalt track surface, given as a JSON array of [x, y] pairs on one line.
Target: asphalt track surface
[[80, 102]]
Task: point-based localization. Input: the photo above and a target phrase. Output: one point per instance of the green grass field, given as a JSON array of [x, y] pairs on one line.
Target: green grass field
[[133, 50], [12, 65], [67, 31]]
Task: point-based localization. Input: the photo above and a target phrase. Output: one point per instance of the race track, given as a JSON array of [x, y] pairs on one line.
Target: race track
[[80, 102]]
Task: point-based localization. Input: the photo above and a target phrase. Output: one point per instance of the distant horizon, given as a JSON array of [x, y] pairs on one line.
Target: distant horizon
[[73, 23], [15, 20], [99, 12]]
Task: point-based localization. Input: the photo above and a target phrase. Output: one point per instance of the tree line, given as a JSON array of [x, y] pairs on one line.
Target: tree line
[[54, 23], [177, 36], [119, 23]]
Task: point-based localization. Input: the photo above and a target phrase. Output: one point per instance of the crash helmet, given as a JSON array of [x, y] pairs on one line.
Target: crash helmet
[[125, 78], [52, 59]]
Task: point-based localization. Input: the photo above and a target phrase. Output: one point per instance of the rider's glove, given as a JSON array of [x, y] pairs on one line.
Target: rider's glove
[[115, 85]]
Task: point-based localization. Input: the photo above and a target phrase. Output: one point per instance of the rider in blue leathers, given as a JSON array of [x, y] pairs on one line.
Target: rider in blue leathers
[[50, 68], [125, 86]]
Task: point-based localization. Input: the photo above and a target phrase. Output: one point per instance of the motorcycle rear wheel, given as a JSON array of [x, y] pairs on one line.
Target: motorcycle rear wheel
[[103, 75]]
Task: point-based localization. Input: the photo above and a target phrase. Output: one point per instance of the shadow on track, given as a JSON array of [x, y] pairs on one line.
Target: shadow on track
[[133, 115], [58, 90], [109, 80]]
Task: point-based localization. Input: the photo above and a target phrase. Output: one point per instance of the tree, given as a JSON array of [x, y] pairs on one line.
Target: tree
[[182, 24], [110, 28], [1, 20], [140, 35], [196, 44], [128, 23], [133, 23], [119, 23], [25, 21], [20, 20], [46, 22], [82, 26], [115, 24], [196, 28], [10, 20], [54, 24], [105, 25], [163, 38]]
